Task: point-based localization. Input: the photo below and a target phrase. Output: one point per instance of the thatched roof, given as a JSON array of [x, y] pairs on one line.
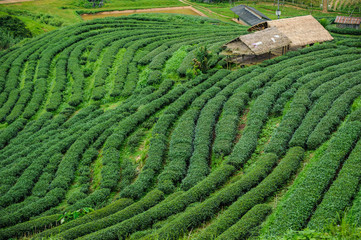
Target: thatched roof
[[249, 15], [236, 47], [348, 20], [258, 43], [301, 31]]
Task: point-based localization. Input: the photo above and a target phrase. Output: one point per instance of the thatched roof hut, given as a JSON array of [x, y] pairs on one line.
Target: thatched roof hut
[[257, 43], [301, 31]]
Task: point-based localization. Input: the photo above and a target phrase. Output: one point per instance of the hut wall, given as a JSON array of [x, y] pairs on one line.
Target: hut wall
[[343, 25]]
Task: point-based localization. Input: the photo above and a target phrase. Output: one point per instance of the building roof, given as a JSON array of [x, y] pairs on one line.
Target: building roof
[[258, 43], [249, 15], [301, 30], [348, 20]]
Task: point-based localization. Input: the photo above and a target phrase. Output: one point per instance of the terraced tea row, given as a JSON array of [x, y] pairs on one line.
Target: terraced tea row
[[109, 114]]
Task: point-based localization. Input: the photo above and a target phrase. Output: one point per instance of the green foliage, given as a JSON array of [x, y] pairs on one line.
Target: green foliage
[[198, 163], [69, 216], [12, 31], [272, 183], [182, 138], [318, 110], [324, 22], [343, 230], [226, 129], [253, 218], [97, 228], [349, 31], [32, 226], [36, 16], [135, 138], [11, 131], [14, 26], [174, 62], [195, 216], [295, 210], [93, 216], [7, 40], [301, 104], [200, 62], [257, 117], [76, 104], [154, 78], [340, 193], [333, 117], [89, 4]]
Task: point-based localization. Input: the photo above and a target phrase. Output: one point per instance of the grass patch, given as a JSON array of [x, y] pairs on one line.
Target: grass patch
[[96, 168], [172, 65], [35, 27], [67, 9], [310, 158], [269, 9]]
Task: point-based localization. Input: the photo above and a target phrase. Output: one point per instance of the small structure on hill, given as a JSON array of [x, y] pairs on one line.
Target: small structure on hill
[[262, 43], [249, 15], [348, 22], [302, 31]]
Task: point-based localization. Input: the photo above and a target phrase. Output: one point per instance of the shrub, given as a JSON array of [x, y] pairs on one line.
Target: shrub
[[257, 116], [318, 110], [349, 31], [207, 209], [93, 216], [295, 209], [252, 219], [165, 209], [333, 117], [198, 164], [75, 197], [341, 192], [29, 227], [14, 26], [269, 186], [11, 131], [154, 77], [147, 202], [182, 138]]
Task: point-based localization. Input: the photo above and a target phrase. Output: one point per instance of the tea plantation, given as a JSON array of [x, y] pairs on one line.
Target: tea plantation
[[111, 115]]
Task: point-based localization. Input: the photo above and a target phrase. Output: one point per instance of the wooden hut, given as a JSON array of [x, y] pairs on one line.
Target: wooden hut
[[348, 22], [258, 43], [302, 31], [249, 15]]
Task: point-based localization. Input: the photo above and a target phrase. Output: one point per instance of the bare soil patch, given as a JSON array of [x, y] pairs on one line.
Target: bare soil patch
[[242, 124], [13, 1], [188, 10]]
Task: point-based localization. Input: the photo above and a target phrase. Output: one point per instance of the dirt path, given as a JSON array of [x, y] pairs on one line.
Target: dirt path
[[149, 10], [203, 8], [13, 1]]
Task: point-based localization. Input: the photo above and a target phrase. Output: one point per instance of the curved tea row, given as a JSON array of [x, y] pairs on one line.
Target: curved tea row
[[109, 114]]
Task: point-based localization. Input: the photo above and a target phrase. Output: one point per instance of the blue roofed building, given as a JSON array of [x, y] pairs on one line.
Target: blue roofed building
[[249, 15]]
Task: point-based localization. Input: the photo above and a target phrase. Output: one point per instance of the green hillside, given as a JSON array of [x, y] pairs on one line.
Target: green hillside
[[114, 115]]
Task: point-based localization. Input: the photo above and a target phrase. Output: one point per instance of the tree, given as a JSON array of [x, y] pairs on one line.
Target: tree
[[324, 6], [200, 62]]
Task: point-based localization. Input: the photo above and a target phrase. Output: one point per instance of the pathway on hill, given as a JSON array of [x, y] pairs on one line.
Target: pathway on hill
[[203, 8], [13, 1]]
